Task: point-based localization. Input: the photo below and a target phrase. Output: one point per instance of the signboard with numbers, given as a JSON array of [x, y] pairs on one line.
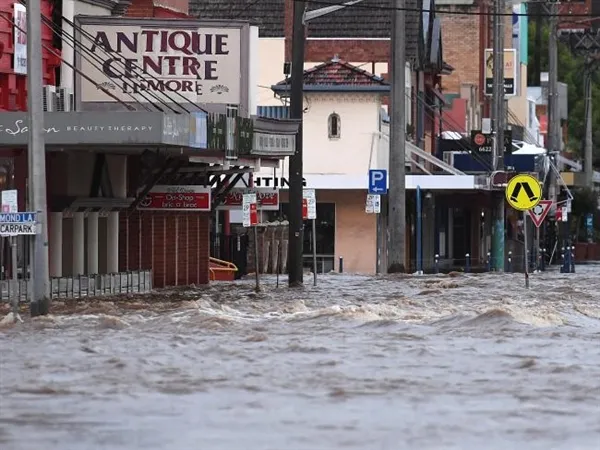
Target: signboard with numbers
[[373, 205]]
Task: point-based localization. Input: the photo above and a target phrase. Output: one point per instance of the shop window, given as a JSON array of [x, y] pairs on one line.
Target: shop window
[[334, 126], [325, 234]]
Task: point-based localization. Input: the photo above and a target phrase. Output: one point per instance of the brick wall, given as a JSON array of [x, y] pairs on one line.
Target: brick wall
[[174, 245], [462, 39], [158, 8]]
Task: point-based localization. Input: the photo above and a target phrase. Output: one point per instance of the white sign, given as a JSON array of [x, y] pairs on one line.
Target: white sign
[[202, 63], [248, 208], [20, 39], [274, 144], [12, 229], [564, 214], [309, 196], [10, 203], [373, 204]]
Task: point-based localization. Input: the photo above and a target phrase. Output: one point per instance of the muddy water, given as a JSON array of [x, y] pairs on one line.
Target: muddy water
[[388, 363]]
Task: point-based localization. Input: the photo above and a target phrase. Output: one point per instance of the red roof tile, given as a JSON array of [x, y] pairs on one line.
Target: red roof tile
[[338, 73]]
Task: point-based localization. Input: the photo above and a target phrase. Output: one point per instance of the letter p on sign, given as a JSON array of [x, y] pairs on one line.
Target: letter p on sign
[[377, 181]]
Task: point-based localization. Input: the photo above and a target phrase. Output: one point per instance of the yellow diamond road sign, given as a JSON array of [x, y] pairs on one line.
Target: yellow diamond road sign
[[523, 192]]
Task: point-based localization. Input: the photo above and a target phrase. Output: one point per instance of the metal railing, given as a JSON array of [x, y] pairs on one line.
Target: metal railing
[[138, 281]]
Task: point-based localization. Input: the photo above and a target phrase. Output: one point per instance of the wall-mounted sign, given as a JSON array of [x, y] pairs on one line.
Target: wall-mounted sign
[[20, 39], [198, 130], [274, 182], [217, 131], [274, 144], [98, 128], [267, 199], [244, 135], [177, 198], [484, 142], [510, 72], [204, 62]]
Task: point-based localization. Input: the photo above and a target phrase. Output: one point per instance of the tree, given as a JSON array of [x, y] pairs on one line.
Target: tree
[[570, 71]]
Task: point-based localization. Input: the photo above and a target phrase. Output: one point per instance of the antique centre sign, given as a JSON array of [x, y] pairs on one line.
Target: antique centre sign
[[206, 62]]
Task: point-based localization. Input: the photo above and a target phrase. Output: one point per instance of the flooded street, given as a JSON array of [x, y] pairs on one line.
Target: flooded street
[[371, 363]]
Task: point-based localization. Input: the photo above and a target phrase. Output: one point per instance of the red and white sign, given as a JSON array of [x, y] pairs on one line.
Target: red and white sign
[[539, 212], [177, 198], [249, 210], [267, 199], [309, 204], [561, 214]]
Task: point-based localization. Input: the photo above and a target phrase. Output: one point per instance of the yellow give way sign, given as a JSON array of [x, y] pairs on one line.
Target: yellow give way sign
[[523, 192]]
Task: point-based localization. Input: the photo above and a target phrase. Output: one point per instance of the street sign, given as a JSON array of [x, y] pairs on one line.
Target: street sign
[[12, 229], [539, 212], [373, 205], [309, 204], [249, 212], [10, 203], [483, 143], [18, 223], [377, 181], [523, 192]]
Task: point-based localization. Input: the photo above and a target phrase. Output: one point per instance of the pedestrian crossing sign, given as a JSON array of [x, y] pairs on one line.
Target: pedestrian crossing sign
[[523, 192]]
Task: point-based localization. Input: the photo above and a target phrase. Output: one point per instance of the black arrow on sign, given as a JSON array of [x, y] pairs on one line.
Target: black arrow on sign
[[517, 190]]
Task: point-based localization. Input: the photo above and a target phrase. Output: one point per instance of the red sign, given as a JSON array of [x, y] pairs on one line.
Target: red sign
[[539, 212], [479, 139], [268, 199], [253, 214], [304, 208], [177, 198]]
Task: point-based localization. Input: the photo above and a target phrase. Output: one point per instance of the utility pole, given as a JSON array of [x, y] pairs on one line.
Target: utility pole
[[397, 167], [588, 149], [554, 141], [498, 114], [296, 222], [36, 157]]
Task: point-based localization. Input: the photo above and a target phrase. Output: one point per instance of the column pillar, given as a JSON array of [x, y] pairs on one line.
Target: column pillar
[[92, 243], [78, 244], [56, 244], [112, 242]]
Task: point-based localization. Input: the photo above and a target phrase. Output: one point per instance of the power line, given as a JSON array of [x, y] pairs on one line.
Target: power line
[[63, 35], [135, 68], [446, 12], [98, 62], [83, 75]]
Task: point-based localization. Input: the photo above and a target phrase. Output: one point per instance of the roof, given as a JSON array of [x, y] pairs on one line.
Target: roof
[[337, 76], [268, 15], [369, 19]]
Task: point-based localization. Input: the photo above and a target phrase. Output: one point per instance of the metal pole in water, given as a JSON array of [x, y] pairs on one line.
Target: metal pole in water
[[256, 274], [419, 232], [15, 277], [314, 246], [525, 249], [36, 154]]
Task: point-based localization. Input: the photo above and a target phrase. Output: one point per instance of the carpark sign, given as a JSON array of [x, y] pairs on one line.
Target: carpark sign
[[18, 223]]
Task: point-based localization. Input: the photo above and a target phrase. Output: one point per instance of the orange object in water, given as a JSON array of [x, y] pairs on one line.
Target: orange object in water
[[220, 270]]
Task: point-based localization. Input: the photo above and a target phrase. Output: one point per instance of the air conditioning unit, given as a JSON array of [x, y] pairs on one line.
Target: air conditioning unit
[[65, 100], [49, 98]]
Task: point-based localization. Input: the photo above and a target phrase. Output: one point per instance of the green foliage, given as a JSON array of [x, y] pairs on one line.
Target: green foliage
[[570, 71], [585, 201]]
